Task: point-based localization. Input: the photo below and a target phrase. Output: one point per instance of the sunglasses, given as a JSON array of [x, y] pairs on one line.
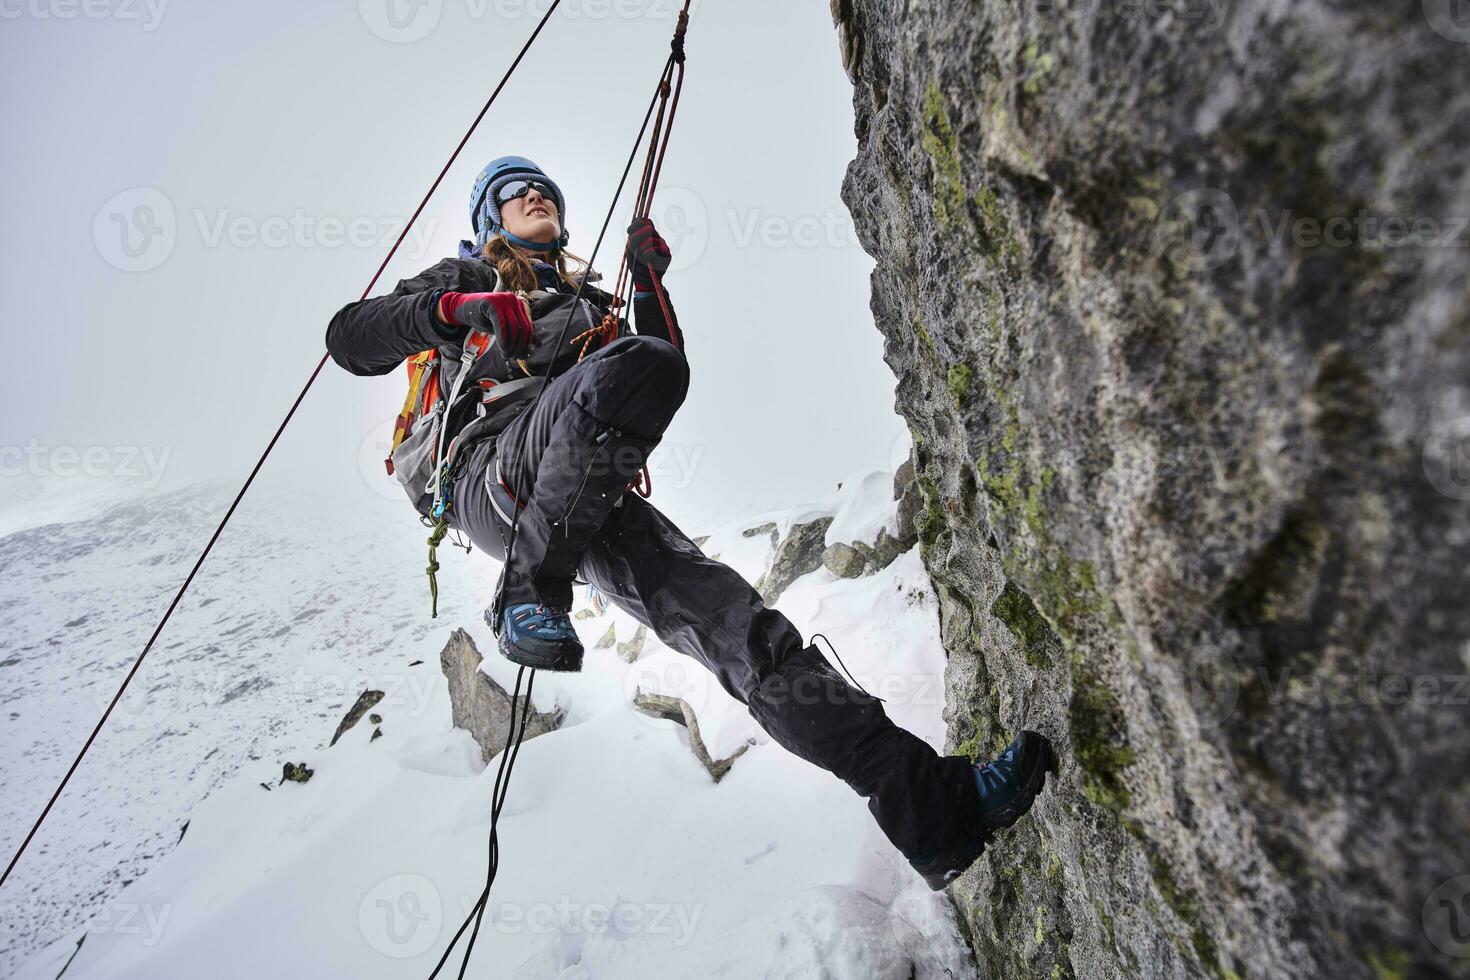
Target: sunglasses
[[520, 188]]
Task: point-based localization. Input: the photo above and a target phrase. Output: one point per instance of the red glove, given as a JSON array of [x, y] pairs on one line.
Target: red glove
[[646, 251], [505, 315]]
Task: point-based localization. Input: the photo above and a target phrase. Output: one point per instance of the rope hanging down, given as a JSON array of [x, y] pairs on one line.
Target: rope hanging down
[[514, 737], [189, 579]]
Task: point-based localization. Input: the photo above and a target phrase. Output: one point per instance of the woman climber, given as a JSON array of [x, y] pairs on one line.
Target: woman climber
[[541, 470]]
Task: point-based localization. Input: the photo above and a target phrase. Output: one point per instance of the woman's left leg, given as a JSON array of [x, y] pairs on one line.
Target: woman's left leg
[[925, 803]]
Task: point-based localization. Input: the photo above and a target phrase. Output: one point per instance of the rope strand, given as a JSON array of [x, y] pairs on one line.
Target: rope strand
[[189, 579], [477, 914]]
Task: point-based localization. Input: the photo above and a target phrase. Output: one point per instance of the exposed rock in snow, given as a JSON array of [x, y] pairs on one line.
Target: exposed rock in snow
[[678, 710], [799, 552], [295, 772], [633, 649], [360, 707], [481, 706], [844, 561]]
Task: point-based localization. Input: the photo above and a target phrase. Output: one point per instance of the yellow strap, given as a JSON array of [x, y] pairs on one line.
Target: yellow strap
[[418, 373]]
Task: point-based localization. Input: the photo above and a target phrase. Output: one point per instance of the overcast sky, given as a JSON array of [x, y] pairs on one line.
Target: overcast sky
[[191, 189]]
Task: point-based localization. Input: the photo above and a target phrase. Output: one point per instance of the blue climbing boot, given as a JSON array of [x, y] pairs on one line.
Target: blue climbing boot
[[541, 637], [1006, 786]]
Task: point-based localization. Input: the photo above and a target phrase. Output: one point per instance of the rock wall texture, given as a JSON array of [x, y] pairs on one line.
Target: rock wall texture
[[1194, 502]]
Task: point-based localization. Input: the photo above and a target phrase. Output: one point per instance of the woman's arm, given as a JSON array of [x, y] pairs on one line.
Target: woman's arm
[[649, 257], [649, 319], [375, 335]]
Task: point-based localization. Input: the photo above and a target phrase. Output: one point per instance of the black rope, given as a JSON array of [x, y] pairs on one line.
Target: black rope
[[498, 606], [513, 739], [497, 798], [189, 579]]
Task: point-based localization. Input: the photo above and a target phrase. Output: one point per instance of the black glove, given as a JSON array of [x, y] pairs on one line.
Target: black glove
[[647, 252]]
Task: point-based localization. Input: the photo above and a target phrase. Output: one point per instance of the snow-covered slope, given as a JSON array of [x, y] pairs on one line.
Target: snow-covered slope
[[619, 856]]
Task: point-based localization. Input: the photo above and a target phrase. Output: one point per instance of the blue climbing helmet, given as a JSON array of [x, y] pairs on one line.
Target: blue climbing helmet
[[485, 210]]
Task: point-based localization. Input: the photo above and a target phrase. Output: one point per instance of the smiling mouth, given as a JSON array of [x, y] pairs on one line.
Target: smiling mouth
[[541, 211]]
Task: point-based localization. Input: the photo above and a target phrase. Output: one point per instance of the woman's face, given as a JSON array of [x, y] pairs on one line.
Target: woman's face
[[532, 217]]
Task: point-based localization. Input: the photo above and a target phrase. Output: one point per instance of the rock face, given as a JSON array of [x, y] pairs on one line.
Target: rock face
[[1189, 454], [479, 705]]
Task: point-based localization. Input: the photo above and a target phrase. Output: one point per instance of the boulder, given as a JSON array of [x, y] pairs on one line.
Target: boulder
[[481, 706], [844, 561], [798, 553]]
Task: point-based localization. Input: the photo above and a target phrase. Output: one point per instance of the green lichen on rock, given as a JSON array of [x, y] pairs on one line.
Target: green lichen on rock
[[939, 141], [1390, 964], [1185, 904], [998, 243], [959, 383], [1020, 615], [295, 772], [931, 520], [1100, 742], [1037, 66], [1063, 588], [926, 340]]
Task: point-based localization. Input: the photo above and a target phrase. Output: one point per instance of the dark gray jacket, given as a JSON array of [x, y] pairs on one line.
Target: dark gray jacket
[[375, 336]]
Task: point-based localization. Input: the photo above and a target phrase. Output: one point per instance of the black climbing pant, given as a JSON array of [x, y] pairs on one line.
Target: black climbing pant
[[569, 457], [578, 518]]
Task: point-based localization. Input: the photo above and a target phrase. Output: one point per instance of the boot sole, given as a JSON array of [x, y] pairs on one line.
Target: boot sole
[[1035, 781], [566, 662], [561, 662]]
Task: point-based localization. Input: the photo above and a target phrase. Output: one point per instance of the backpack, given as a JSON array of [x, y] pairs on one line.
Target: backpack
[[434, 387]]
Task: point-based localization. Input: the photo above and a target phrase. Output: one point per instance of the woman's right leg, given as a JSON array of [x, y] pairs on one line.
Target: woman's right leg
[[568, 457]]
